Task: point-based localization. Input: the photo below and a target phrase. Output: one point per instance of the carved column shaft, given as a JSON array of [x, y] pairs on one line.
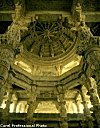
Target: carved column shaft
[[77, 105], [88, 117], [97, 79], [93, 98], [94, 101], [9, 48], [96, 105], [31, 109], [5, 112], [15, 106], [89, 48], [8, 102], [2, 92], [62, 104], [63, 112], [62, 108], [86, 110], [6, 59], [32, 104]]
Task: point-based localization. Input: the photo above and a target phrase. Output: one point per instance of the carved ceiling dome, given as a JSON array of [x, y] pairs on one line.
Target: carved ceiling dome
[[48, 40]]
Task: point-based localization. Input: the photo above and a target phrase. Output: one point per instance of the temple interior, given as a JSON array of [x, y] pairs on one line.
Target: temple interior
[[50, 63]]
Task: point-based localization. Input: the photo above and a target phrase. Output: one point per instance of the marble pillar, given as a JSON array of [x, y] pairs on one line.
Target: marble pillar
[[89, 48], [88, 118], [15, 105], [62, 108], [96, 105], [77, 102], [5, 112], [10, 46], [32, 103], [31, 109], [93, 98], [6, 58]]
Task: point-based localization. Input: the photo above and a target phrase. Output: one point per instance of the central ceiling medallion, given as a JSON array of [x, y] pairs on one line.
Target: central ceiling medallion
[[47, 32]]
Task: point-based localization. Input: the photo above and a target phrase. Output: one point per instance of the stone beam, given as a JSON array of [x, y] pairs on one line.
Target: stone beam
[[69, 79], [89, 16], [21, 84], [92, 16]]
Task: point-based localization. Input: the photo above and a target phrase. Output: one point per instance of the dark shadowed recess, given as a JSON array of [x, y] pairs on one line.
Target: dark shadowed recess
[[4, 25]]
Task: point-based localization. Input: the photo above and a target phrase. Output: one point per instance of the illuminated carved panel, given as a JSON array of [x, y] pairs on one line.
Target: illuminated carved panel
[[46, 107]]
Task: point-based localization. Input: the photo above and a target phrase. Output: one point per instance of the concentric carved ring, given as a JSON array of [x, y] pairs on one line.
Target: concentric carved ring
[[49, 40], [47, 32]]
